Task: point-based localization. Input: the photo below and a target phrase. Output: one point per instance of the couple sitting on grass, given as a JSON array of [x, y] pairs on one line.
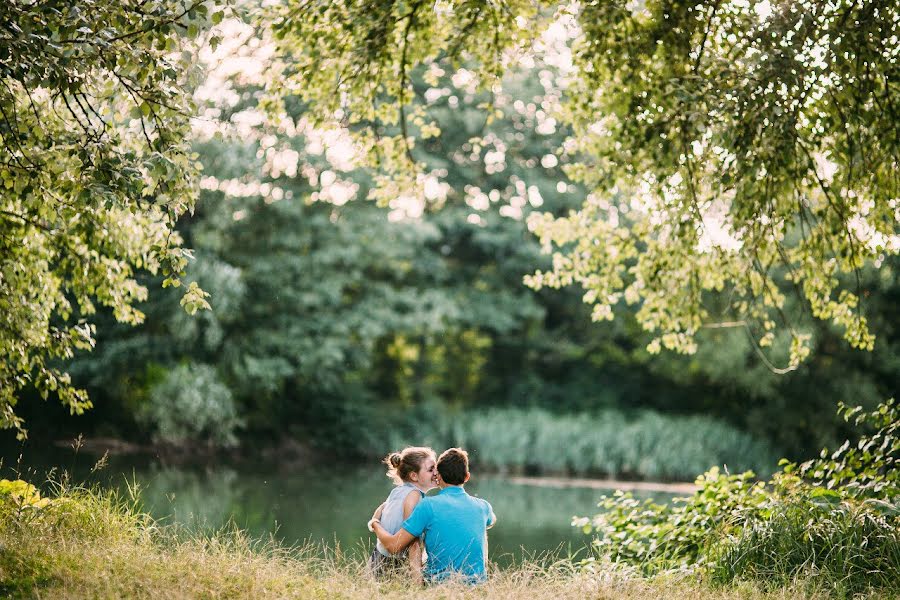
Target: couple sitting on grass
[[451, 524]]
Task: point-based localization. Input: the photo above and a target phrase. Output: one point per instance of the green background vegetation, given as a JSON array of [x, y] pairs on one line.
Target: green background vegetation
[[398, 222], [337, 327]]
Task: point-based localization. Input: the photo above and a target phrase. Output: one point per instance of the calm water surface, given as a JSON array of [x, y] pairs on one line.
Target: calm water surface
[[330, 506]]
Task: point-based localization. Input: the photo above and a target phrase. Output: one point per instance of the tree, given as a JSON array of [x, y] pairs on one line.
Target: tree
[[734, 150], [94, 170], [318, 298]]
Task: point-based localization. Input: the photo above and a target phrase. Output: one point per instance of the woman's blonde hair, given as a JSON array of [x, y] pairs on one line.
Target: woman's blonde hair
[[406, 462]]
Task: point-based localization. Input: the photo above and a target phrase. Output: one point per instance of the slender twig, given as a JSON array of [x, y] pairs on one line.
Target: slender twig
[[401, 96], [706, 31]]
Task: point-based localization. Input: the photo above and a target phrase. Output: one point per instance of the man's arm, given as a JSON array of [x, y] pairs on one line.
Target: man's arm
[[393, 543], [415, 561], [415, 549]]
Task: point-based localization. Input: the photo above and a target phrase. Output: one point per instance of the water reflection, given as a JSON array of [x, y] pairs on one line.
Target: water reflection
[[332, 506]]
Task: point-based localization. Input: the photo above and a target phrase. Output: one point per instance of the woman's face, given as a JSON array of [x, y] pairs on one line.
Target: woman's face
[[426, 477]]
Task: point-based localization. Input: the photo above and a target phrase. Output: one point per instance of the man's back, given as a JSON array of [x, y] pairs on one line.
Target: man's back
[[455, 528]]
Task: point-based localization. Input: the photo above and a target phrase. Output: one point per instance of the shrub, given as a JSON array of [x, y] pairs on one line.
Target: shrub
[[834, 520], [847, 545], [191, 404]]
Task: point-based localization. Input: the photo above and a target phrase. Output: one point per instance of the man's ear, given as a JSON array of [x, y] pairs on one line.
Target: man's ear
[[467, 477]]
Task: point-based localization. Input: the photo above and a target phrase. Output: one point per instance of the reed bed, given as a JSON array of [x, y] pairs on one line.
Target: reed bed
[[646, 445]]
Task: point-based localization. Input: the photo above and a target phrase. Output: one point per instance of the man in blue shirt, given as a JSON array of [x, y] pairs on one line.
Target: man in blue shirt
[[454, 524]]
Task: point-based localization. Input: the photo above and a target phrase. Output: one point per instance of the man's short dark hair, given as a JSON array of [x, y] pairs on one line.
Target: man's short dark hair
[[453, 466]]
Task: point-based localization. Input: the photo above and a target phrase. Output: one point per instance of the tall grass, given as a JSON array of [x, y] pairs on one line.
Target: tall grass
[[833, 520], [848, 548], [97, 544], [645, 446]]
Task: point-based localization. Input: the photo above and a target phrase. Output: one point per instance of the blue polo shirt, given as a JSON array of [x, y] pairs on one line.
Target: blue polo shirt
[[455, 527]]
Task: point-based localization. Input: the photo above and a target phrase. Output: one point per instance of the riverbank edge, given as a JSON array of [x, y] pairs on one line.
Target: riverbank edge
[[294, 455], [605, 484]]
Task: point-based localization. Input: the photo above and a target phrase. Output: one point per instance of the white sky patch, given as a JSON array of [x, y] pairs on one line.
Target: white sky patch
[[333, 190], [280, 161], [242, 57], [494, 157], [236, 188], [548, 161], [494, 161], [643, 200], [716, 231], [868, 234], [763, 10], [209, 183], [476, 198], [598, 201], [246, 122], [434, 72], [553, 45], [432, 95], [465, 80], [243, 189], [613, 219], [336, 144], [512, 212], [546, 125], [434, 189], [825, 168], [406, 208]]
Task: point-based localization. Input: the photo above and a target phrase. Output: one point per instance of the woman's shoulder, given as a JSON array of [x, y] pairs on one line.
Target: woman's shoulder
[[400, 492], [413, 495]]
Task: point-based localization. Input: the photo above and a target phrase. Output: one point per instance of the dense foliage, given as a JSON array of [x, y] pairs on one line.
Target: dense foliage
[[834, 519], [94, 171], [728, 147], [331, 314]]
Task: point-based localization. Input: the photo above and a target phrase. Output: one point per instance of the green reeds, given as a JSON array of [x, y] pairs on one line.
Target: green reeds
[[645, 446]]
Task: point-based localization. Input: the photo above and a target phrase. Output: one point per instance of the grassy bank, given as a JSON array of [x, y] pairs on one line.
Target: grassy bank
[[90, 544]]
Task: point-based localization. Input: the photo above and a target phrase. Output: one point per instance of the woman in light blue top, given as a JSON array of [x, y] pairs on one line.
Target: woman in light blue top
[[413, 472]]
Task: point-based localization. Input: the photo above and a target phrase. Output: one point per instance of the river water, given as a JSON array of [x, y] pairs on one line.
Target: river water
[[300, 505]]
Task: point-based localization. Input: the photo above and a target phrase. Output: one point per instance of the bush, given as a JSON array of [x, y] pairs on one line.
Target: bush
[[848, 545], [834, 520], [191, 405]]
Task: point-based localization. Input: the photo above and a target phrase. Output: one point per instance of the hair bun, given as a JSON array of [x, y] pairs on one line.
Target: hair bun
[[395, 459]]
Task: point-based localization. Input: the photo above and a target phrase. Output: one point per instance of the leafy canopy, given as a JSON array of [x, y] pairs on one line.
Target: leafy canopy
[[733, 149], [94, 170]]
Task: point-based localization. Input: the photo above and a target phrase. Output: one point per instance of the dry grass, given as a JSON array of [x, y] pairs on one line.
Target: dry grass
[[94, 545], [219, 570]]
